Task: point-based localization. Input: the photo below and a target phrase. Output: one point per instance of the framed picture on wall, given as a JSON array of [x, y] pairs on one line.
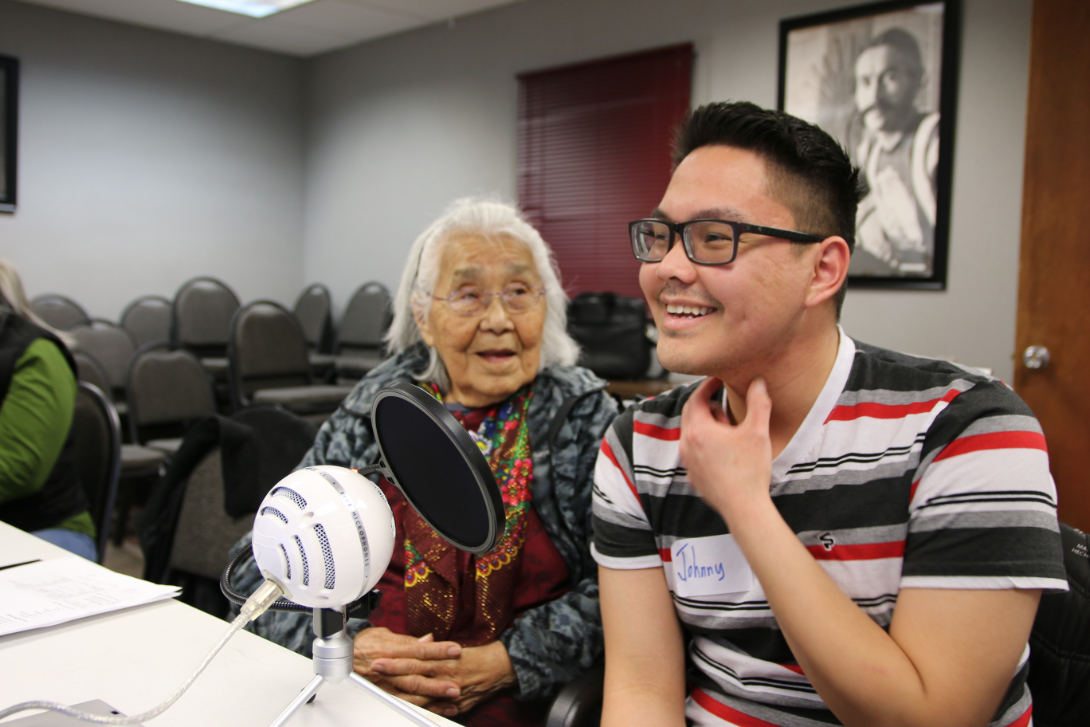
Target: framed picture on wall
[[881, 79], [9, 126]]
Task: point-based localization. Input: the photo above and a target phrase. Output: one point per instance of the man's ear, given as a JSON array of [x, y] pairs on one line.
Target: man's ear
[[829, 271]]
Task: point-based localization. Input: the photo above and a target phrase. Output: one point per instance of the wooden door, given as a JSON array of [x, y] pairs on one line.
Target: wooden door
[[1054, 280]]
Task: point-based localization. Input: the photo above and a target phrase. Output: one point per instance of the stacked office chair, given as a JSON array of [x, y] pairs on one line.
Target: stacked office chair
[[113, 348], [201, 322], [359, 345], [147, 319], [96, 434], [168, 390], [314, 311], [58, 311], [90, 370], [269, 364]]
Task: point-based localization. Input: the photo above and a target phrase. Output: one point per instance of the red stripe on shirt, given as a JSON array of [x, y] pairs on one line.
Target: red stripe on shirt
[[666, 555], [724, 712], [995, 440], [874, 410], [608, 452], [650, 430], [863, 551], [1024, 719], [793, 667]]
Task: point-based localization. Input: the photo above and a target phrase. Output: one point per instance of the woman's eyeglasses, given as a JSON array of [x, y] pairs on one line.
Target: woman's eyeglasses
[[516, 298]]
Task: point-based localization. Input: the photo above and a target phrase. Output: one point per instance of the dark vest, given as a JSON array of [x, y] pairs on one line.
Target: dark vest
[[62, 495]]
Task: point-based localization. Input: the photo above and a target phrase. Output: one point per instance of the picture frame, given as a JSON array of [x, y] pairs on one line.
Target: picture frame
[[9, 131], [882, 80]]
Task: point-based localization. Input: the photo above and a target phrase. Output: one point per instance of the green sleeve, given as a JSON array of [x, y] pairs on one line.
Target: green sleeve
[[34, 419]]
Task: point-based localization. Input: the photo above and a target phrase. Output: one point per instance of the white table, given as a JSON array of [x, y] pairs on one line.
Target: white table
[[136, 658]]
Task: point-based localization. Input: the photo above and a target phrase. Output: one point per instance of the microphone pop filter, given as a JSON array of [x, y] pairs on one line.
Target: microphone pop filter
[[431, 458]]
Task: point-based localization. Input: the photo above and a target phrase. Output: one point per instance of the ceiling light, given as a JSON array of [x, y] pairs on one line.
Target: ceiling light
[[253, 8]]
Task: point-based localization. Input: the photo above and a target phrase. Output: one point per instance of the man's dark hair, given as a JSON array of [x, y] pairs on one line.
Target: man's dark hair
[[808, 171]]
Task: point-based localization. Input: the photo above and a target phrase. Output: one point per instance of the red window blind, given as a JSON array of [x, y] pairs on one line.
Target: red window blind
[[594, 153]]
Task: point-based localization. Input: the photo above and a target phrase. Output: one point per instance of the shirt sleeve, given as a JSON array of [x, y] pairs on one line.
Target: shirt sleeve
[[34, 419], [623, 538], [983, 506]]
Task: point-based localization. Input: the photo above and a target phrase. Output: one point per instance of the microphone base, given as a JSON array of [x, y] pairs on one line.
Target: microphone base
[[333, 664]]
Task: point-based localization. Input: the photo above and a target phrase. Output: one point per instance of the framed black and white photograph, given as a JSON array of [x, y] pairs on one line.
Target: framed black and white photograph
[[881, 79], [9, 125]]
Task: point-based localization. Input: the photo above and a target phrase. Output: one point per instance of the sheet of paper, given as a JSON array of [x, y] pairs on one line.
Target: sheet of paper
[[54, 591]]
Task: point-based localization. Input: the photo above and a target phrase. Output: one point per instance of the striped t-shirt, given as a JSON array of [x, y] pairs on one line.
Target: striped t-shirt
[[907, 472]]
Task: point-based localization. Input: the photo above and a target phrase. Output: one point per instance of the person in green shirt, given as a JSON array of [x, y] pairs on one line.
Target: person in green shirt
[[40, 491]]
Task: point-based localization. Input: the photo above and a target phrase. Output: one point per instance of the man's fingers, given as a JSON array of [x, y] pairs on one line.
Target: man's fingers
[[758, 405]]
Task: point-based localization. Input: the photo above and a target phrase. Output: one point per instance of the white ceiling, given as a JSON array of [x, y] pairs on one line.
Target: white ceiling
[[306, 30]]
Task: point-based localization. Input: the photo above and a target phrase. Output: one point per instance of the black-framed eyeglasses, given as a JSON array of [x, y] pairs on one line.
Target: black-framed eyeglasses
[[706, 242], [470, 301]]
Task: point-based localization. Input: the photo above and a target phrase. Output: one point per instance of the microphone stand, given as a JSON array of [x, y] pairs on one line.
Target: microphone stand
[[332, 661]]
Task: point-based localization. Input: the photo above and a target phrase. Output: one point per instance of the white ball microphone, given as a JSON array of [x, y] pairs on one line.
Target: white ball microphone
[[324, 535]]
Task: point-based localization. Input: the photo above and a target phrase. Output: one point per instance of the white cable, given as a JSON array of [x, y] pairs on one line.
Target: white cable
[[255, 605]]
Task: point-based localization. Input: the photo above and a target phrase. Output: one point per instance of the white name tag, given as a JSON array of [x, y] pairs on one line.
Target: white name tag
[[710, 566]]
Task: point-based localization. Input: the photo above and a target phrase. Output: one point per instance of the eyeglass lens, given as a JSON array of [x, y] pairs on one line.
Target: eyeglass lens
[[709, 241], [516, 298]]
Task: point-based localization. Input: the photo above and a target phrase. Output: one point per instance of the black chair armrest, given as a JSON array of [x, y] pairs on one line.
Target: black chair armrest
[[579, 704]]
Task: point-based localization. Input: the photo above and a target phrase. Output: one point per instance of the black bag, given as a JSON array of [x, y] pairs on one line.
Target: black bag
[[1059, 645], [611, 330]]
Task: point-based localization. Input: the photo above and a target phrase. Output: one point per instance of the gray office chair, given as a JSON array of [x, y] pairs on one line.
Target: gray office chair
[[205, 534], [269, 364], [113, 348], [96, 434], [359, 345], [168, 390], [90, 370], [58, 311], [201, 322], [314, 311], [147, 319]]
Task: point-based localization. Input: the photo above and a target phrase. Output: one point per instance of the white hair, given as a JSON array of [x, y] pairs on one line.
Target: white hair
[[493, 220], [13, 297]]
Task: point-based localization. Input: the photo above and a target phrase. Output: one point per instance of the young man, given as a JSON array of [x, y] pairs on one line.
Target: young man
[[819, 532]]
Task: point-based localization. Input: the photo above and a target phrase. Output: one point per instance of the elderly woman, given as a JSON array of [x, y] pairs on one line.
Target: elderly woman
[[479, 322]]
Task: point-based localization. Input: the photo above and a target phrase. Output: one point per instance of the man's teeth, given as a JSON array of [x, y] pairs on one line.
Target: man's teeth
[[679, 310]]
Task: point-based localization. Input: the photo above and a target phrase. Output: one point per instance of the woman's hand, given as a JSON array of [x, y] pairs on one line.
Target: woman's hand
[[426, 683], [440, 676]]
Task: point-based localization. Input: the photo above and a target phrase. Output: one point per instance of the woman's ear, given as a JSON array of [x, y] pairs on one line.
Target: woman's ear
[[830, 270], [422, 323]]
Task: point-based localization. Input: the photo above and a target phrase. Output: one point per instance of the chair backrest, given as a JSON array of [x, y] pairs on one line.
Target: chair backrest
[[205, 532], [267, 350], [90, 370], [167, 390], [112, 347], [365, 319], [58, 311], [314, 311], [201, 319], [97, 439], [148, 319]]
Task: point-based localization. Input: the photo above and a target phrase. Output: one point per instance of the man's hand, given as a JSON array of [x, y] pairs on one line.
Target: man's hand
[[730, 465]]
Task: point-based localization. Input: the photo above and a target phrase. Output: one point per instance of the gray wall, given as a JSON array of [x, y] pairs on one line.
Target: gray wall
[[399, 127], [146, 158]]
